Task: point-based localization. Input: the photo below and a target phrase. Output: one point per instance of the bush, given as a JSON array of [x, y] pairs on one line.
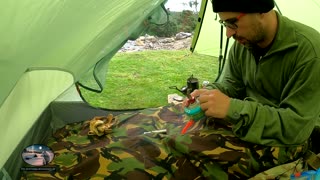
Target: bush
[[167, 30], [187, 21], [184, 21]]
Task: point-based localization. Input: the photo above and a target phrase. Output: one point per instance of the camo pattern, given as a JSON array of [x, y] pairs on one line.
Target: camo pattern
[[208, 150], [283, 171]]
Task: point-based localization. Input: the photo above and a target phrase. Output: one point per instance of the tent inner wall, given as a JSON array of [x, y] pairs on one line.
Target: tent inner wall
[[39, 132], [57, 115], [32, 94]]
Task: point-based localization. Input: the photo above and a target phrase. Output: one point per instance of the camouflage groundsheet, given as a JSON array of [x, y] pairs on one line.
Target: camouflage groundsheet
[[208, 150]]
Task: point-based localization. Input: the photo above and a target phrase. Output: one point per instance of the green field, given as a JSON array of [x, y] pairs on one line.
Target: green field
[[142, 79]]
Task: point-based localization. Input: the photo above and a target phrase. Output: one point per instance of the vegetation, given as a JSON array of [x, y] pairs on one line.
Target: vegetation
[[186, 21], [175, 22], [142, 79]]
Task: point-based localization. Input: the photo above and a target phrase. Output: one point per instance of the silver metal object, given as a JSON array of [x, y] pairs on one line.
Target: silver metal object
[[156, 131], [205, 84]]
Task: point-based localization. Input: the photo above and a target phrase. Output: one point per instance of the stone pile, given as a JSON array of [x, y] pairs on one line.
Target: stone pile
[[182, 40]]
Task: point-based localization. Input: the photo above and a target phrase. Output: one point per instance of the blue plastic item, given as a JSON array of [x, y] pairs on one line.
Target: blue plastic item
[[306, 175], [194, 111]]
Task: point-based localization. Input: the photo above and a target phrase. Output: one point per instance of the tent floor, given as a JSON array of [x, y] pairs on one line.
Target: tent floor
[[64, 127]]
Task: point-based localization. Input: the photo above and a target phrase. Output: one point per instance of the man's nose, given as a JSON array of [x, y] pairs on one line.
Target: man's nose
[[230, 32]]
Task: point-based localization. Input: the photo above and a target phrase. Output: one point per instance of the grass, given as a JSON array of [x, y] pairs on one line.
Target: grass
[[142, 79]]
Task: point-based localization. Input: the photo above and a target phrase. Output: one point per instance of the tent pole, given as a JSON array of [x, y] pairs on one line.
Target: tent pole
[[277, 7], [221, 59], [220, 51]]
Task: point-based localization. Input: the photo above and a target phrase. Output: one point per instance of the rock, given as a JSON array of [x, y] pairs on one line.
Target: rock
[[151, 39], [139, 42], [182, 35], [166, 40]]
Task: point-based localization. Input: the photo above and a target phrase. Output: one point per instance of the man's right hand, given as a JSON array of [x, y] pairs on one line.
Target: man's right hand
[[196, 93], [213, 102]]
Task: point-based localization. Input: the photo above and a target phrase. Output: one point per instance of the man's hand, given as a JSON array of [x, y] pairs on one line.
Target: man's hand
[[213, 102], [196, 93]]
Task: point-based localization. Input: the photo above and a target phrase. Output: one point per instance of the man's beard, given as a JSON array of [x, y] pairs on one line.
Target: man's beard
[[254, 41]]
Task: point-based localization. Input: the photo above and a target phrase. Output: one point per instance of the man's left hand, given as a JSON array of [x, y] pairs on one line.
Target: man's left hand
[[214, 103]]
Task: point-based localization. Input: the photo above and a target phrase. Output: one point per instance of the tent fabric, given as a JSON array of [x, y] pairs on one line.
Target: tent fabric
[[25, 103], [47, 46], [37, 134], [69, 35], [208, 32]]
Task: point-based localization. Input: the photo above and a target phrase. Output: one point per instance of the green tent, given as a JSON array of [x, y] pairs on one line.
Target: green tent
[[48, 46]]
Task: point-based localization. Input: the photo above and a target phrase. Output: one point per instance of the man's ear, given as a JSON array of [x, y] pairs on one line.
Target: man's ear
[[261, 15]]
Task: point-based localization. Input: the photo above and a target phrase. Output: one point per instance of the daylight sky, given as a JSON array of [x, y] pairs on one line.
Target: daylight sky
[[177, 5]]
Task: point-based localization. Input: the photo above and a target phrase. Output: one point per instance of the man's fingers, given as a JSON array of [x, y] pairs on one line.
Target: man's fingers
[[204, 97], [197, 92]]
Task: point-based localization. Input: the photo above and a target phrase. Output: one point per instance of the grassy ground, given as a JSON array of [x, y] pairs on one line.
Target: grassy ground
[[142, 79]]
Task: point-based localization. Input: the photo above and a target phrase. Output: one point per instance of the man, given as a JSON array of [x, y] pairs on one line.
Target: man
[[270, 91]]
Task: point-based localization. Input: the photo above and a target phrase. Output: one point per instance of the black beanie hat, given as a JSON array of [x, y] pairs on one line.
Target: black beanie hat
[[245, 6]]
